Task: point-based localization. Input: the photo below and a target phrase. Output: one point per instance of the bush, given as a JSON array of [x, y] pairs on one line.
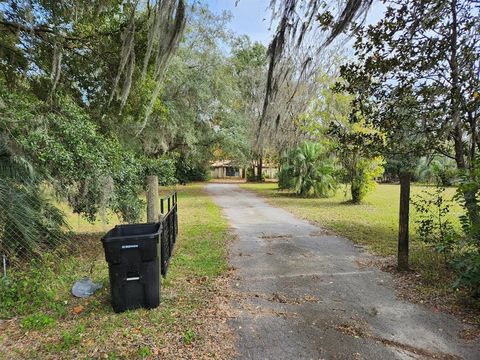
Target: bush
[[461, 251], [25, 292], [285, 177], [28, 221], [186, 171], [467, 265], [163, 168]]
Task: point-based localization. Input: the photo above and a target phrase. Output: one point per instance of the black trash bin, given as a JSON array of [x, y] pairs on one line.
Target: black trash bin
[[133, 253]]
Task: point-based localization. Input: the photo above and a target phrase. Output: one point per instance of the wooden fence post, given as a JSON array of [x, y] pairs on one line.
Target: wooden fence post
[[153, 202], [403, 232]]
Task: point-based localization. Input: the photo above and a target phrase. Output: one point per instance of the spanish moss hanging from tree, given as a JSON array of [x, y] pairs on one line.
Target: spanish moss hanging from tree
[[305, 28]]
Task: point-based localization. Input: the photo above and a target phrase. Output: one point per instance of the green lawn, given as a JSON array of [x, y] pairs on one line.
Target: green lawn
[[45, 324]]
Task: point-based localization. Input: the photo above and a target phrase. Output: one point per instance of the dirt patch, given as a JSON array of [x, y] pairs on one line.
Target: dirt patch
[[228, 181], [244, 304], [242, 254], [260, 311], [212, 330], [276, 297]]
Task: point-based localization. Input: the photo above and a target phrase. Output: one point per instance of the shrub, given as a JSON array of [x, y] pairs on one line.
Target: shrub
[[285, 177], [461, 251], [163, 168], [467, 265], [25, 292], [28, 222], [187, 171]]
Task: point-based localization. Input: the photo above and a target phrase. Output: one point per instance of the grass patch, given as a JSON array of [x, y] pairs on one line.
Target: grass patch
[[40, 301], [374, 223], [37, 321]]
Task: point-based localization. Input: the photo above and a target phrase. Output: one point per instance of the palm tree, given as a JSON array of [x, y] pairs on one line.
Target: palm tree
[[309, 171]]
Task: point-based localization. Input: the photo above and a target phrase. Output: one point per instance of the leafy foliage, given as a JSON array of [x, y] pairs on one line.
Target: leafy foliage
[[23, 291], [360, 168], [309, 171], [469, 183], [413, 89], [362, 175], [439, 170], [28, 222], [419, 92], [187, 171], [467, 264], [435, 228], [432, 221], [95, 97]]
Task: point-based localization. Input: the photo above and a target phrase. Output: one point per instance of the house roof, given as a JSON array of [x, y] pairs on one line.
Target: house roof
[[222, 163], [225, 163]]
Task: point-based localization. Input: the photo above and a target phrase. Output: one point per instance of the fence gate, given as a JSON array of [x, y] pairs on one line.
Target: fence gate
[[169, 232]]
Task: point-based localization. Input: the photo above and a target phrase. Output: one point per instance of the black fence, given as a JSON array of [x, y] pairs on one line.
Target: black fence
[[169, 229]]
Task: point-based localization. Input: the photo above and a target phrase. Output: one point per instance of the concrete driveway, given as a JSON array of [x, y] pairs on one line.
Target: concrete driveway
[[304, 296]]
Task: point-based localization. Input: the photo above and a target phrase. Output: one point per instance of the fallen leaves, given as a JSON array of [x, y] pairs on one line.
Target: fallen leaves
[[350, 329], [470, 334], [77, 310], [276, 236], [283, 299]]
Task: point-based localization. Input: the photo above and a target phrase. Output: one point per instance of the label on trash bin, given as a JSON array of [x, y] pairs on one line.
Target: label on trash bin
[[129, 246]]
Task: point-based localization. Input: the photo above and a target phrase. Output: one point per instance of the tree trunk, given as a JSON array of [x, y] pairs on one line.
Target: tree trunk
[[403, 235], [153, 203], [355, 192], [259, 169], [468, 195], [456, 96]]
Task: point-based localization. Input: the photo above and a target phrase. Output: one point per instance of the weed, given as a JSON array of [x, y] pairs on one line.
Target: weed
[[144, 351], [72, 337], [188, 336], [37, 321], [24, 292]]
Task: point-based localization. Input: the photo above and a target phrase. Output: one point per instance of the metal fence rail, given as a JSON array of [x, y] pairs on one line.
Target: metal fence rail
[[169, 232]]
